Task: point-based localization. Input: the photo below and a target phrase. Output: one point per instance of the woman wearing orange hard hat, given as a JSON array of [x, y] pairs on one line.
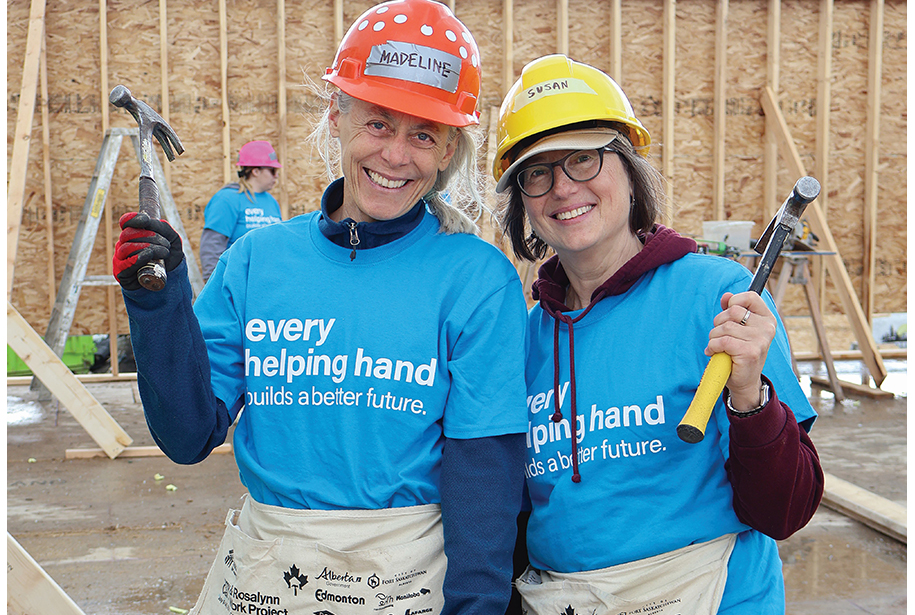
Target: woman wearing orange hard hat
[[377, 346], [624, 515]]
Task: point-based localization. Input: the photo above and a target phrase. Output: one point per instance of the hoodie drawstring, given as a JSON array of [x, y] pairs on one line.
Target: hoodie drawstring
[[661, 246], [557, 415]]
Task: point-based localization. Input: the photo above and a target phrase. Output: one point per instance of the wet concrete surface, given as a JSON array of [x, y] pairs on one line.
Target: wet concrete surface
[[119, 541]]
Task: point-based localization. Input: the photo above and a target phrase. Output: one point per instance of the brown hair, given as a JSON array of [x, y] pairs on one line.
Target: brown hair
[[649, 201]]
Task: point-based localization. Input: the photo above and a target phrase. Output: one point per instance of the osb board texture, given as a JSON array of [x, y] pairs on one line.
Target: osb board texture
[[195, 112]]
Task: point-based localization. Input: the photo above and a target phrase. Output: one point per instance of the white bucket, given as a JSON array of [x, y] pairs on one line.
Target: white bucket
[[733, 232]]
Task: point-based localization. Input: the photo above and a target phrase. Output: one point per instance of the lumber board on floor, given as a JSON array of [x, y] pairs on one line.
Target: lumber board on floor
[[30, 590], [872, 510], [851, 387], [12, 381], [135, 451], [58, 378], [851, 355]]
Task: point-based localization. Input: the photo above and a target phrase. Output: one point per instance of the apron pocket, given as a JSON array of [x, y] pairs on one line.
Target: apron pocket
[[256, 577], [688, 581]]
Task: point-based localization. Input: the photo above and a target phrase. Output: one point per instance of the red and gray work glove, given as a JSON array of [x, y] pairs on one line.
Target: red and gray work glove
[[143, 240]]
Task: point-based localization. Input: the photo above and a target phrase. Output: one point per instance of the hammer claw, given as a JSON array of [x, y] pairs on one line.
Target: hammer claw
[[167, 139]]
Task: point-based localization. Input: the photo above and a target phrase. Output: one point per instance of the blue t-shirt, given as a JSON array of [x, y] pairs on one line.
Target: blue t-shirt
[[639, 357], [233, 213], [336, 359]]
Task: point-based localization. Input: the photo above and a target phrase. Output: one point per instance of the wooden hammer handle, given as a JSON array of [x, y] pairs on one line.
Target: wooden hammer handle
[[152, 276]]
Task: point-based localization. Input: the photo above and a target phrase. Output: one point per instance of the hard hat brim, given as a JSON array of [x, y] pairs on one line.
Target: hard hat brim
[[592, 138]]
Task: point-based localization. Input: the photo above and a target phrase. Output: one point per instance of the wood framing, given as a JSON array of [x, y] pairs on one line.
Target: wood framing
[[281, 102], [12, 381], [135, 451], [562, 26], [616, 42], [224, 93], [109, 241], [770, 202], [338, 21], [869, 508], [29, 589], [872, 155], [23, 136], [163, 69], [58, 378], [46, 166], [668, 109], [676, 87], [823, 104], [508, 57], [721, 73], [833, 262]]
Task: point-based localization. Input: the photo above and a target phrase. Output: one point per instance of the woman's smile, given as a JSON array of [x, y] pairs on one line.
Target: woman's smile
[[569, 215]]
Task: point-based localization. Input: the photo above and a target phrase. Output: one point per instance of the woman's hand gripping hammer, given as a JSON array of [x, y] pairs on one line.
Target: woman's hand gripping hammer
[[692, 428]]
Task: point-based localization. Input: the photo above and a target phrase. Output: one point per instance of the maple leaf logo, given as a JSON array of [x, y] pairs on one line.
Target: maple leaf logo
[[230, 561], [568, 611], [294, 580]]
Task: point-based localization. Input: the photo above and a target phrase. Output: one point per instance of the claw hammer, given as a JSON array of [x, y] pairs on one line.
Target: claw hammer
[[152, 276], [692, 428]]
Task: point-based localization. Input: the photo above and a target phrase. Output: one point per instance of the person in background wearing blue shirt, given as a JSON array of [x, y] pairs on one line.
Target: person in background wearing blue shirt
[[372, 353], [625, 516], [240, 207]]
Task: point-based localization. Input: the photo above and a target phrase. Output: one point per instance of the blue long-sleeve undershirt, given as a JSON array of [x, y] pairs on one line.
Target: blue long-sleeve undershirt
[[185, 418]]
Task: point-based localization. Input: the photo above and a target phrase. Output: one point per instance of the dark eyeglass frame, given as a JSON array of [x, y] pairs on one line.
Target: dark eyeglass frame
[[562, 163]]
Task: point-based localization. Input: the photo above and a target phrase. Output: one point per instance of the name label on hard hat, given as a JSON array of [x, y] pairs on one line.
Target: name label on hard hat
[[550, 88], [415, 63]]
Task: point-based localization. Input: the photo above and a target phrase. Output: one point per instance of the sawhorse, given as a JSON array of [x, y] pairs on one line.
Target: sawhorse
[[795, 270]]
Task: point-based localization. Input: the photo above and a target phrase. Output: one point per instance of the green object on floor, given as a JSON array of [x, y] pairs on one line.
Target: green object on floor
[[79, 355]]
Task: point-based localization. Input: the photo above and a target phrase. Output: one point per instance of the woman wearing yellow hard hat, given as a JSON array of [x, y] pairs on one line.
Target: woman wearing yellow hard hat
[[376, 345], [624, 515]]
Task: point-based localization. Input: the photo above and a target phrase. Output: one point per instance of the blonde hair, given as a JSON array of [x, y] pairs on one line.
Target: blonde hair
[[243, 186], [457, 189]]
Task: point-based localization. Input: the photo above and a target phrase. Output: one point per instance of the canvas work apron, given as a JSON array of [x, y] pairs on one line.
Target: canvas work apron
[[688, 581], [282, 561]]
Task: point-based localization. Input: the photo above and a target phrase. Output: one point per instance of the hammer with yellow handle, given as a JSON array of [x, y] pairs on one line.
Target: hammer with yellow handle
[[692, 428]]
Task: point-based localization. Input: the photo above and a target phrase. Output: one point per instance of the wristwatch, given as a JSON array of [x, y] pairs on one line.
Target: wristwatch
[[763, 401]]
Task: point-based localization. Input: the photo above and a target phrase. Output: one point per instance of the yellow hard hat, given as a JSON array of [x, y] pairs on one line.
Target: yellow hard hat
[[555, 91]]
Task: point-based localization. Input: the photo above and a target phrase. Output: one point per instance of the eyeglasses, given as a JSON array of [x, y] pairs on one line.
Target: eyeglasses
[[581, 165]]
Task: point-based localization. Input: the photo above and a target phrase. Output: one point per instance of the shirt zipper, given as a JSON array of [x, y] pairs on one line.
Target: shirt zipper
[[353, 239]]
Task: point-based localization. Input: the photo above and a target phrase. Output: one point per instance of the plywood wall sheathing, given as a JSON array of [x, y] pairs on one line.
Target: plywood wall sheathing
[[195, 100]]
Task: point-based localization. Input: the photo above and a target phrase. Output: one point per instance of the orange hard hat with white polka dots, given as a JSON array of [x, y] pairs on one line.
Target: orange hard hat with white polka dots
[[413, 56]]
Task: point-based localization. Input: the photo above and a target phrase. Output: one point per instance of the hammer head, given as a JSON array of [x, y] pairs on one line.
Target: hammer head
[[149, 122], [805, 191]]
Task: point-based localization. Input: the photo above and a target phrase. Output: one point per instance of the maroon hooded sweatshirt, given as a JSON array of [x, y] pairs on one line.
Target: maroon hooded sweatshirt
[[773, 466]]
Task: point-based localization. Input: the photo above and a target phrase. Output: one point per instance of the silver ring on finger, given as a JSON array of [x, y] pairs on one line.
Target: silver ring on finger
[[746, 317]]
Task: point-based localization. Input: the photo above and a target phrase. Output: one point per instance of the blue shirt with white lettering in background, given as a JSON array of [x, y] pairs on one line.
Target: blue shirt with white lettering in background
[[233, 213]]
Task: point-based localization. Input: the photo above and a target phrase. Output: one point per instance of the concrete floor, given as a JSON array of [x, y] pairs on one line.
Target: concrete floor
[[120, 542]]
